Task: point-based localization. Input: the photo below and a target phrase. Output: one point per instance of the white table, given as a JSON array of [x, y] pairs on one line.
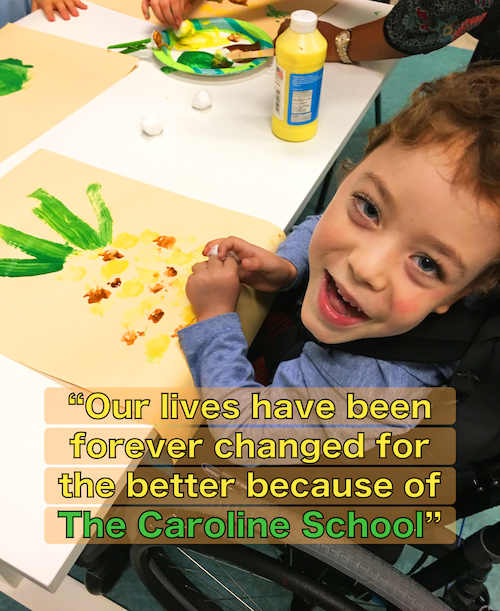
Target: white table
[[106, 133]]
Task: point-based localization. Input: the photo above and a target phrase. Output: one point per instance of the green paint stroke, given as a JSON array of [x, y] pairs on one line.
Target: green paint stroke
[[196, 59], [69, 226], [15, 268], [44, 250], [50, 256], [104, 220], [13, 75], [272, 12]]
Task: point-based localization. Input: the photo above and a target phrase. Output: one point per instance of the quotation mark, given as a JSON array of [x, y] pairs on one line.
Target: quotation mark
[[73, 399], [433, 516]]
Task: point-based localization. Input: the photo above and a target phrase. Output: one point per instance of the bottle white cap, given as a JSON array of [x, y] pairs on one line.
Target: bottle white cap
[[303, 22]]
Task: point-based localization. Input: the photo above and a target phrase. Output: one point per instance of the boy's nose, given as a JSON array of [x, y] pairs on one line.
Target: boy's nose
[[371, 266]]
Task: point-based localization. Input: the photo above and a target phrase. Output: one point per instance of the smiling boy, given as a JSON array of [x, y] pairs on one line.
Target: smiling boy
[[411, 230]]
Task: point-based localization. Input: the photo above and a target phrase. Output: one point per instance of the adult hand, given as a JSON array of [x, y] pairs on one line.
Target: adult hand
[[213, 288], [328, 30], [169, 12], [65, 8], [259, 268]]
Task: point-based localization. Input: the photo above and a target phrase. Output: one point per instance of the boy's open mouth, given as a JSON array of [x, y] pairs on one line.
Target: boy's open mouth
[[335, 308]]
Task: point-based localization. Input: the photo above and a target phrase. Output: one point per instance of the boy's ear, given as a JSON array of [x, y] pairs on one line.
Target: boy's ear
[[444, 307]]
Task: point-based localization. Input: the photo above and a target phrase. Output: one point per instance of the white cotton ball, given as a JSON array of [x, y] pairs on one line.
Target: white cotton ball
[[152, 125], [202, 100], [214, 251]]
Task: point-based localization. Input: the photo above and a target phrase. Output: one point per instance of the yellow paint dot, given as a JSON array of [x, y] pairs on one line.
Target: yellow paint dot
[[132, 316], [156, 347], [150, 302], [148, 236], [101, 307], [125, 240], [131, 288], [72, 273], [180, 258], [188, 314], [114, 268], [149, 276]]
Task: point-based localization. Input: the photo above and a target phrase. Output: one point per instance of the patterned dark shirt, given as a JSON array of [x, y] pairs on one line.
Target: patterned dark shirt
[[422, 26]]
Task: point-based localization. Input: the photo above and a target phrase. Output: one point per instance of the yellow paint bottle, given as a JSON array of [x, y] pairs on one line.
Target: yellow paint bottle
[[300, 57]]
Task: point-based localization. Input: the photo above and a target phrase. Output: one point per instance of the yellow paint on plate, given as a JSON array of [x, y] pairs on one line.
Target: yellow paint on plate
[[201, 40]]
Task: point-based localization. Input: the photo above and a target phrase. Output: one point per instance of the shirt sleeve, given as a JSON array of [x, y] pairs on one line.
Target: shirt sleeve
[[215, 350], [422, 26], [296, 248]]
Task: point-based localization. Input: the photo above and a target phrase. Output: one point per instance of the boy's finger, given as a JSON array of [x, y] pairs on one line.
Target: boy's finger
[[199, 267], [145, 8], [214, 262], [72, 8], [61, 7], [252, 264], [230, 264], [80, 4], [48, 9], [176, 9], [210, 245], [161, 15]]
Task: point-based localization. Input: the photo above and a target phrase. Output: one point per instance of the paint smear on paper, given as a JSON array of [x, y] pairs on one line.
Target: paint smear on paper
[[272, 12], [13, 75]]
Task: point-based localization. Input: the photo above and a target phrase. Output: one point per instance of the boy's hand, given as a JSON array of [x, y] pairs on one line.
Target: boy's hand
[[213, 288], [168, 12], [259, 268], [65, 8]]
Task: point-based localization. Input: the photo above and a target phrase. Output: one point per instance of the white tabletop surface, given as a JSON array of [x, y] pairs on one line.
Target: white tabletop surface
[[269, 178]]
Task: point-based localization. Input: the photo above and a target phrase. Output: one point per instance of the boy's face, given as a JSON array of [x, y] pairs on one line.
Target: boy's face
[[396, 243]]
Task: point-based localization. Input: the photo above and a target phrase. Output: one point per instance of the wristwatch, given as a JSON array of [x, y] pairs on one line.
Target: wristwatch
[[342, 41]]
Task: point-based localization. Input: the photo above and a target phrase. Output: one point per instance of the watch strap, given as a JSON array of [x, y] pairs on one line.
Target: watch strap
[[342, 48]]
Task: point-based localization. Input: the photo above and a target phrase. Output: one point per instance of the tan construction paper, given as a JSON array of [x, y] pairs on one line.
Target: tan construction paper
[[64, 77], [263, 13], [48, 322]]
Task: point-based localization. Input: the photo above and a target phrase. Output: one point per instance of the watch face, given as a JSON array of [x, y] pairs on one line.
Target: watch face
[[343, 38]]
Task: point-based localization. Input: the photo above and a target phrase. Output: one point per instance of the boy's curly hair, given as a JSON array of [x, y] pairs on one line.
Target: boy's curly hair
[[461, 109]]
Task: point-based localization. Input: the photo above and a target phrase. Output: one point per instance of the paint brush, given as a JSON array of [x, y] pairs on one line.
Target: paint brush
[[238, 54]]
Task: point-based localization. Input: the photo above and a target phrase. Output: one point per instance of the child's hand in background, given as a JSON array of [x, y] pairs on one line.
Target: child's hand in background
[[213, 288], [65, 8], [259, 268], [168, 12]]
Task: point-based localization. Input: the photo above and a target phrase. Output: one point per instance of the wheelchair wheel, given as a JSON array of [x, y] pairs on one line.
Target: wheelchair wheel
[[229, 578], [237, 577]]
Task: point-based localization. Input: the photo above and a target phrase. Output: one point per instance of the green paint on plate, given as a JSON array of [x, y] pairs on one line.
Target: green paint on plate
[[168, 69], [13, 75], [196, 59]]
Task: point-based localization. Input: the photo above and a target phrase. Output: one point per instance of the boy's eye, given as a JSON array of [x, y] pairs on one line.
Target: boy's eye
[[370, 210], [429, 266], [367, 207]]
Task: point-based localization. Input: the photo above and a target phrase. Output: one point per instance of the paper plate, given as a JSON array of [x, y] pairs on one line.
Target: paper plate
[[198, 64]]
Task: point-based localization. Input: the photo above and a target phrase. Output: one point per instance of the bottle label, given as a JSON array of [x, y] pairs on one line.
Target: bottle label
[[303, 97], [279, 92]]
